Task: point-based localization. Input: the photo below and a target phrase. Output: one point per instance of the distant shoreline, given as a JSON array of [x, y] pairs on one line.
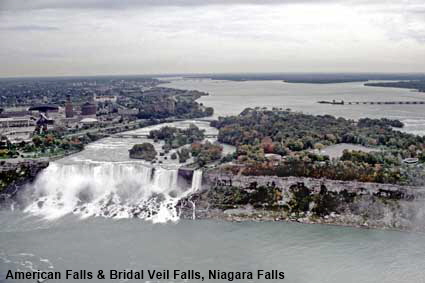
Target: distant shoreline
[[415, 85], [310, 78]]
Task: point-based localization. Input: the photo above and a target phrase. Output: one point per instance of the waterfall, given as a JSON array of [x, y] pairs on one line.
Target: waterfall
[[196, 185], [196, 180], [193, 209], [108, 189]]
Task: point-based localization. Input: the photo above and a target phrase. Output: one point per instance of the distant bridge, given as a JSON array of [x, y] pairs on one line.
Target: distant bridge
[[144, 136], [386, 102], [409, 102]]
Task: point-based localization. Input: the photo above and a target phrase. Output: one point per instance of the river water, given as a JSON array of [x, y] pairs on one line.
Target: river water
[[231, 97], [100, 210], [306, 253]]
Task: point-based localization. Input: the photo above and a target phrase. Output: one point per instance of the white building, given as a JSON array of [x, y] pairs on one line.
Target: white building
[[16, 122]]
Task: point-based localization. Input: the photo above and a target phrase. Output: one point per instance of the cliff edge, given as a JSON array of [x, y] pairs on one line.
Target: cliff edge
[[15, 175], [306, 200]]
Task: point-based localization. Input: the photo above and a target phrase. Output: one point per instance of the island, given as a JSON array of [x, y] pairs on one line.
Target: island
[[145, 151], [183, 144], [280, 171], [418, 85]]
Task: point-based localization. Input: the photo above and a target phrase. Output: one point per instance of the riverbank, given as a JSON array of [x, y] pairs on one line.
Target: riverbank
[[306, 200], [14, 176]]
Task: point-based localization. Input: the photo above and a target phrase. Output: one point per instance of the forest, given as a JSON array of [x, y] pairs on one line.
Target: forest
[[296, 141], [175, 137]]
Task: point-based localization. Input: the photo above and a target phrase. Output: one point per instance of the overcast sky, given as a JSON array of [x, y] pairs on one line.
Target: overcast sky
[[93, 37]]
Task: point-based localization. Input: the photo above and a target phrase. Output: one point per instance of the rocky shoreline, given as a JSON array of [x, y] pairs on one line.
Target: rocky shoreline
[[306, 200], [15, 175]]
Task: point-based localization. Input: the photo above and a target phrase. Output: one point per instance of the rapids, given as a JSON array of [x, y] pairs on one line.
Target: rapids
[[109, 189]]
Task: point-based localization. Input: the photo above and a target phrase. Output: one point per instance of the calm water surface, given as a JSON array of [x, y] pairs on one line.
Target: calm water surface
[[231, 97], [306, 253]]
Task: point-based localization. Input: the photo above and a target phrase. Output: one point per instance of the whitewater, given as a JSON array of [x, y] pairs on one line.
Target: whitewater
[[102, 181], [109, 189]]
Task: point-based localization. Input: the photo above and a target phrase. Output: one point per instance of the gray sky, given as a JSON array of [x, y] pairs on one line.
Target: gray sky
[[93, 37]]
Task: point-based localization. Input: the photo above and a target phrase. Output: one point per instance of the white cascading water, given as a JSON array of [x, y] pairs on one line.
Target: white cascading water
[[196, 180], [196, 185], [108, 189]]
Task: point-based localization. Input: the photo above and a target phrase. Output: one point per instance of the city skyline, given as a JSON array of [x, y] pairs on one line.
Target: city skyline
[[63, 38]]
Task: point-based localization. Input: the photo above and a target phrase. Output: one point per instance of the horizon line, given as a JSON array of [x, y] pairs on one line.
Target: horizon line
[[184, 74]]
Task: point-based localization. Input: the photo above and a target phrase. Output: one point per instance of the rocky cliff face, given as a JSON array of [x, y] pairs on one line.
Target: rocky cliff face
[[306, 200], [15, 175]]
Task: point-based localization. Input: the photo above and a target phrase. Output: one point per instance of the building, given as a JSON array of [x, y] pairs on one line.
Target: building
[[45, 108], [16, 122], [89, 121], [128, 112], [69, 108], [105, 98], [47, 113], [88, 109], [11, 114], [411, 161]]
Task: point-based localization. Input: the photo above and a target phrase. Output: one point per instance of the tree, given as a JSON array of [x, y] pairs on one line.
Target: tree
[[184, 155], [319, 146], [37, 140], [145, 151]]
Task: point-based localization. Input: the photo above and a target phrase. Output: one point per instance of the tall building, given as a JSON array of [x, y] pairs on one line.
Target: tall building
[[88, 109], [69, 109]]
